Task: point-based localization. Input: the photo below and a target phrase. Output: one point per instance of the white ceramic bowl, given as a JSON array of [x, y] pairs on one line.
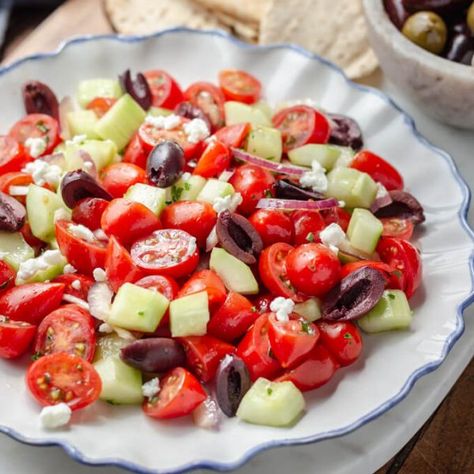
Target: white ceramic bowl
[[443, 89], [392, 362]]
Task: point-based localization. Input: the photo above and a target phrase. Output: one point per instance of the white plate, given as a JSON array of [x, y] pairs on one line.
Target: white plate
[[392, 362]]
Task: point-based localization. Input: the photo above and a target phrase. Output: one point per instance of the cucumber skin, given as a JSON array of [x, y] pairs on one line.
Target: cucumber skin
[[89, 89], [14, 249]]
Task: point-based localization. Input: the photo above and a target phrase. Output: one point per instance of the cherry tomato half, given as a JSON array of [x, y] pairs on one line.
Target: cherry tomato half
[[135, 153], [101, 105], [209, 99], [233, 135], [88, 212], [13, 156], [308, 225], [15, 338], [75, 284], [63, 378], [397, 227], [209, 281], [214, 160], [118, 177], [342, 339], [240, 86], [272, 226], [7, 276], [164, 89], [14, 178], [336, 215]]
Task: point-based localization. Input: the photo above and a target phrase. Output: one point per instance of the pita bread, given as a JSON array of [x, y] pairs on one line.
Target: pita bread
[[244, 10], [333, 29], [244, 30]]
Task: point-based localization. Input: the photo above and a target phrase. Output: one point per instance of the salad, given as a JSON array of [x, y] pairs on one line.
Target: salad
[[195, 251]]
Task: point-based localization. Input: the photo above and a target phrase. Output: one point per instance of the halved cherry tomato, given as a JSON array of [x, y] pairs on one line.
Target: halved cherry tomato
[[240, 86], [195, 217], [397, 227], [128, 220], [291, 340], [7, 276], [118, 177], [170, 252], [404, 257], [255, 350], [180, 394], [342, 339], [81, 254], [301, 124], [36, 126], [63, 378], [262, 303], [31, 302], [203, 354], [164, 89], [89, 212], [135, 153], [68, 329], [336, 215], [13, 156], [233, 135], [391, 275], [253, 183], [209, 281], [272, 226], [79, 290], [101, 105], [214, 160], [308, 225], [233, 318], [313, 269], [30, 239], [209, 99], [15, 337], [317, 369], [379, 169], [14, 178], [119, 266]]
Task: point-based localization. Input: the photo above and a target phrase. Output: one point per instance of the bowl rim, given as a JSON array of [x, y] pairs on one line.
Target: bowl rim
[[82, 458]]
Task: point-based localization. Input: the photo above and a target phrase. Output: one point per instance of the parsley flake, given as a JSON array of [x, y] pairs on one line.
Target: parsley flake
[[310, 237], [305, 327], [391, 296], [269, 391], [141, 313], [347, 335]]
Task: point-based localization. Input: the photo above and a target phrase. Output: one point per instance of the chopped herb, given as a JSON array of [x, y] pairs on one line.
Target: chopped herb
[[347, 335], [270, 158], [168, 202], [187, 186], [268, 193], [269, 391], [141, 313], [305, 327], [253, 309], [176, 193], [36, 356], [310, 237], [391, 296], [42, 127]]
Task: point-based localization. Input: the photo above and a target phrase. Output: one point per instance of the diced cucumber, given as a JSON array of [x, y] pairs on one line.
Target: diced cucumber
[[265, 142], [355, 188], [364, 230], [236, 275], [14, 249], [309, 309], [325, 155], [109, 346], [121, 121], [237, 112], [121, 384], [190, 188], [391, 312], [44, 275], [101, 152], [137, 308], [41, 204], [152, 197], [265, 108], [159, 112], [89, 89], [345, 158], [271, 404], [189, 315], [214, 189], [82, 122]]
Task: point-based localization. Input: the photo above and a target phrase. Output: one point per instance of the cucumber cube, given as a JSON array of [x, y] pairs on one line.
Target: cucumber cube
[[325, 155], [150, 196], [14, 249], [121, 384], [265, 108], [46, 274], [214, 189], [109, 346], [89, 89], [159, 112], [121, 121], [190, 188], [237, 112], [265, 142], [82, 122], [391, 312], [189, 315], [236, 275], [364, 230], [101, 152], [310, 309], [271, 404], [137, 308]]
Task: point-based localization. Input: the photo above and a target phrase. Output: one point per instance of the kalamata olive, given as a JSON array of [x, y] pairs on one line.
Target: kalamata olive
[[190, 111], [285, 189], [458, 48], [345, 131], [138, 88], [354, 296], [77, 185], [403, 205], [38, 98], [238, 236], [12, 213], [427, 30], [157, 354], [165, 164], [438, 6], [396, 11], [232, 383]]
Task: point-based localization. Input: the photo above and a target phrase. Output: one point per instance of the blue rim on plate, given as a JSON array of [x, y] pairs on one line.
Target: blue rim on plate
[[414, 377]]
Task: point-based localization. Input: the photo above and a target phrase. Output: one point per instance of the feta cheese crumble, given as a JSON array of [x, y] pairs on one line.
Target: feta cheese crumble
[[100, 235], [82, 232], [230, 202], [36, 146], [315, 179], [76, 285], [55, 416], [68, 268], [43, 172], [106, 328], [282, 307], [18, 190], [196, 130], [77, 140], [99, 274], [332, 236], [151, 388], [186, 176], [30, 267], [61, 214], [168, 122], [381, 191]]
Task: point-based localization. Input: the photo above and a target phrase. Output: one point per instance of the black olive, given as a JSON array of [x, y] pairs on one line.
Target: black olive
[[12, 213], [396, 12], [402, 205], [78, 185], [345, 131], [286, 189], [459, 48], [165, 164], [190, 111], [438, 6], [38, 98], [138, 88]]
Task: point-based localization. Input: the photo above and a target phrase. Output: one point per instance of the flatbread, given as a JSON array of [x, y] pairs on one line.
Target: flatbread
[[334, 29], [244, 10], [247, 31]]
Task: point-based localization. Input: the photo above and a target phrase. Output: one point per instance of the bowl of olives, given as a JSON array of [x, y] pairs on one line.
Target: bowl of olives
[[427, 48]]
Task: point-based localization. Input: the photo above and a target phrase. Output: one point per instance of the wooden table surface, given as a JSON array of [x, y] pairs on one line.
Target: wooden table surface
[[445, 444]]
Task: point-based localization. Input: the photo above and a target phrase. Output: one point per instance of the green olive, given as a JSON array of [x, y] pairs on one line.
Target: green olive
[[470, 18], [427, 30]]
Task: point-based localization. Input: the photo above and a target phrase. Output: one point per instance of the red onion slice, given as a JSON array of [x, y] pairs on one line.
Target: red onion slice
[[380, 202], [293, 204], [89, 164], [206, 415], [100, 300]]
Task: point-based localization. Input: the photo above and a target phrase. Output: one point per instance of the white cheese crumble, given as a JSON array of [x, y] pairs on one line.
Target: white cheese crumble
[[230, 202], [61, 215], [151, 388], [99, 274], [282, 307], [211, 139], [196, 130], [315, 179], [381, 191], [77, 140], [46, 260], [76, 285], [68, 268], [43, 172], [168, 122], [55, 416], [106, 328], [18, 190], [186, 176], [36, 146], [100, 235], [82, 232], [332, 236]]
